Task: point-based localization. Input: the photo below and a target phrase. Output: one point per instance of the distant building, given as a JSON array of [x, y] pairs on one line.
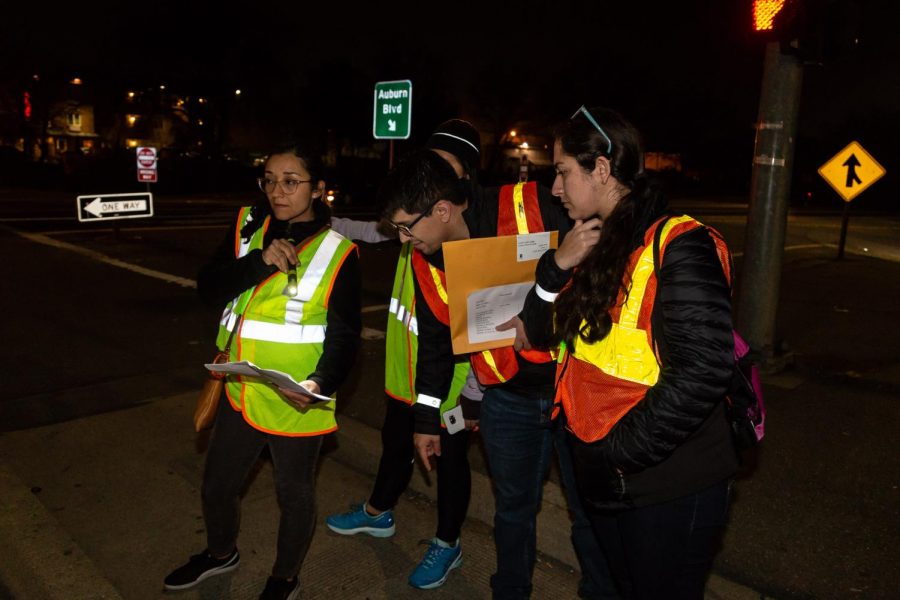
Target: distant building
[[70, 128], [662, 161]]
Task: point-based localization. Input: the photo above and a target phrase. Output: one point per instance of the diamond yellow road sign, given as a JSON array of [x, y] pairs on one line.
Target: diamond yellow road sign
[[851, 171]]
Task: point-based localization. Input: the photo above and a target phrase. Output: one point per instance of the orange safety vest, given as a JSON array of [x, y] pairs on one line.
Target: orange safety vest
[[518, 213], [599, 383]]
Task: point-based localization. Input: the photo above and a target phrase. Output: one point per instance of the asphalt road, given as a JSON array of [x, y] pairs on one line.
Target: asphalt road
[[100, 318]]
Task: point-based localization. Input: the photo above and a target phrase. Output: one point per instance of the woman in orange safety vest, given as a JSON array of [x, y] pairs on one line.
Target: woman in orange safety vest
[[644, 364]]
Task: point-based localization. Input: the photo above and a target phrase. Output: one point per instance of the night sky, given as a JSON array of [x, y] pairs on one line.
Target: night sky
[[687, 73]]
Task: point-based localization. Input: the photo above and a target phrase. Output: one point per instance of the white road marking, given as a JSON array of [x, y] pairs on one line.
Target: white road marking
[[368, 333], [99, 256], [375, 308]]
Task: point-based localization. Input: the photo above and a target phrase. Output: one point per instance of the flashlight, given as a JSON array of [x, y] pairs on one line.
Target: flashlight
[[290, 289]]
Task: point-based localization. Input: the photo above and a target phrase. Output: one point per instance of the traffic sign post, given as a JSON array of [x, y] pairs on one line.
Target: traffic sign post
[[146, 164], [850, 172], [114, 206]]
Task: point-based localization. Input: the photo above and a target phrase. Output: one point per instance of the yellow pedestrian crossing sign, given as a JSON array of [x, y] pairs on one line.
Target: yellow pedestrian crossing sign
[[851, 171]]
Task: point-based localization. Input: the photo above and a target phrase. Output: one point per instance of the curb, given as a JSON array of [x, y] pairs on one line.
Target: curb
[[32, 544]]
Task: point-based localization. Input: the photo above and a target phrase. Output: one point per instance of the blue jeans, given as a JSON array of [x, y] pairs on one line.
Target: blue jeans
[[518, 436]]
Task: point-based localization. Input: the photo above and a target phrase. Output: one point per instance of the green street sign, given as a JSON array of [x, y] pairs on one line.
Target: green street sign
[[393, 110]]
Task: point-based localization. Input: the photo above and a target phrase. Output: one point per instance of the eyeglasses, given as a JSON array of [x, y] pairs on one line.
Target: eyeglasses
[[289, 186], [594, 122], [407, 229]]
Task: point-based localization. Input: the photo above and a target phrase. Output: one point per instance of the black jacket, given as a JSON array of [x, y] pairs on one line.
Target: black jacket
[[435, 360], [224, 278], [676, 440]]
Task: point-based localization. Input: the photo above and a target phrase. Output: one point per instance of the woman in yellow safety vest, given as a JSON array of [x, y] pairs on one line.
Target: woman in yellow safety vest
[[644, 364], [291, 290]]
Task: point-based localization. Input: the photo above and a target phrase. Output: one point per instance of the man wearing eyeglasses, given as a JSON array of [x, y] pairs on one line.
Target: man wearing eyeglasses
[[428, 205], [457, 142]]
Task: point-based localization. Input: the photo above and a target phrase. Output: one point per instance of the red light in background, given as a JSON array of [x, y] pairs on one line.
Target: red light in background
[[26, 103], [764, 12]]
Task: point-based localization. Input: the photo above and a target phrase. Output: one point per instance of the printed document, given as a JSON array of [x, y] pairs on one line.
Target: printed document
[[489, 307], [246, 368]]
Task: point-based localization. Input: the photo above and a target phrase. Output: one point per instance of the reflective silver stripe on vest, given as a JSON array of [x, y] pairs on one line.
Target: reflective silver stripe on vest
[[407, 318], [228, 317], [312, 277], [287, 334]]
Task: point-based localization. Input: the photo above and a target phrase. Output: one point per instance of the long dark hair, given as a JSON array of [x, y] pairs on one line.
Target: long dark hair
[[310, 156], [582, 309]]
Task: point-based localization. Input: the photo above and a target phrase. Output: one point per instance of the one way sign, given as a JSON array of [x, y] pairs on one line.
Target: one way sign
[[115, 206], [851, 171]]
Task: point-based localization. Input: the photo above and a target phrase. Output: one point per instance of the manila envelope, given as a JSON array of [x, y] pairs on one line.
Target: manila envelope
[[479, 264]]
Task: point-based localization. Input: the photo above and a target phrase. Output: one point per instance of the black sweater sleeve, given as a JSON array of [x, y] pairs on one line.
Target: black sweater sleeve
[[344, 323], [698, 359], [434, 365], [225, 277], [537, 314]]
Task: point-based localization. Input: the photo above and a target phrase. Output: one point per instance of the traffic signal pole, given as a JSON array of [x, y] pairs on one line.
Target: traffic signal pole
[[773, 158]]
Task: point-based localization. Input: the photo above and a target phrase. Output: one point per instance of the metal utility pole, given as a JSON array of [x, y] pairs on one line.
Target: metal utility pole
[[773, 159]]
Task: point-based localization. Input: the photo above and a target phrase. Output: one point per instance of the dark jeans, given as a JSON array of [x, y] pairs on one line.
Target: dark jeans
[[454, 480], [665, 550], [518, 435], [234, 448], [596, 580]]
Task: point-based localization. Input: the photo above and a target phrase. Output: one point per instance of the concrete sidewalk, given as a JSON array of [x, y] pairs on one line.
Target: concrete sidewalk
[[103, 507]]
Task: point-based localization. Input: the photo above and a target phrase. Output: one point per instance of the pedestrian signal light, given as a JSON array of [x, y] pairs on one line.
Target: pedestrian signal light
[[764, 12]]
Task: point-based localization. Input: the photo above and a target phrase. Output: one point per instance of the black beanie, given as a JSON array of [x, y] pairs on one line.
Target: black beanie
[[460, 139]]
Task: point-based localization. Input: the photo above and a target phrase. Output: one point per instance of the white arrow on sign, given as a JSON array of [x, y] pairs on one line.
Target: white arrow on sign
[[392, 125], [98, 207]]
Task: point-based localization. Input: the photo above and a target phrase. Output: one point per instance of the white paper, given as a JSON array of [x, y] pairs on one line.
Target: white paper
[[531, 246], [493, 306], [277, 378]]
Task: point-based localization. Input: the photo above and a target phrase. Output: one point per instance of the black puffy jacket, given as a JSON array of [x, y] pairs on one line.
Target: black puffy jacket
[[676, 440]]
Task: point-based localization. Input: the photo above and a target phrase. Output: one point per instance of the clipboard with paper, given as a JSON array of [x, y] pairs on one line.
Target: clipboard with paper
[[487, 281]]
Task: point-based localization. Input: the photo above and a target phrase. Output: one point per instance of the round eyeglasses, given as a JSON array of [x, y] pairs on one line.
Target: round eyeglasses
[[288, 186]]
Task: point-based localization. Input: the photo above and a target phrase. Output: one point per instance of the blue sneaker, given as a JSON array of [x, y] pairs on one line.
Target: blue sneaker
[[359, 521], [440, 559]]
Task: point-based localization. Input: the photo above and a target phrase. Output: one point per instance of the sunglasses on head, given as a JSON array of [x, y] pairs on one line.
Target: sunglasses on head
[[594, 122]]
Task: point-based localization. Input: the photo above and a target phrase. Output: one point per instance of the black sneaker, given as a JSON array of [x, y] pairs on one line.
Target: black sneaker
[[200, 567], [281, 589]]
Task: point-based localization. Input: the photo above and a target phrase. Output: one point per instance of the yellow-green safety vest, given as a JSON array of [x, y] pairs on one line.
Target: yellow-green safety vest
[[282, 333], [402, 340]]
